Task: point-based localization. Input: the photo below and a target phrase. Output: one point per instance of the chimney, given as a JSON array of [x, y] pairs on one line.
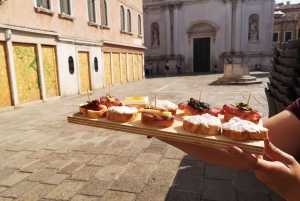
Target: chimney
[[287, 2]]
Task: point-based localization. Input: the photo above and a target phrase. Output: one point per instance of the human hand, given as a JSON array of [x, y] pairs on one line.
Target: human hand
[[282, 175]]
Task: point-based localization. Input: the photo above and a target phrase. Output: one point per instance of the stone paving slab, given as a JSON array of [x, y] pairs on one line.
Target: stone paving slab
[[45, 158]]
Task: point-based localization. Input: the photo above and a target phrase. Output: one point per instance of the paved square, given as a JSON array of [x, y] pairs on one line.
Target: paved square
[[43, 157]]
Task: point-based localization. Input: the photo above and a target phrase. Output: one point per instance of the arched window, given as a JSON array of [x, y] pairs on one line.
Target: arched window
[[96, 64], [139, 25], [71, 65], [91, 10], [103, 8], [128, 21], [122, 18]]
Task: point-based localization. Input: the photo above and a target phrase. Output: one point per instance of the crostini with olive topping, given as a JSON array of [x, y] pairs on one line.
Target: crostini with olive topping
[[242, 111], [195, 107]]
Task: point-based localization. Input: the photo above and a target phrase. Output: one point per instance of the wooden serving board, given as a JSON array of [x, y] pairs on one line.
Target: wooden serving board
[[176, 132]]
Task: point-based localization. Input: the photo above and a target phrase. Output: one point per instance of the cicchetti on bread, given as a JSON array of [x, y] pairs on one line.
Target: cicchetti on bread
[[93, 109], [195, 107], [157, 118], [241, 130], [137, 102], [205, 124], [109, 101], [242, 111], [164, 105], [122, 113]]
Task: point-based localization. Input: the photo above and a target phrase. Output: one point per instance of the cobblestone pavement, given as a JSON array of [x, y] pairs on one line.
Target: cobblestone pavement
[[43, 157]]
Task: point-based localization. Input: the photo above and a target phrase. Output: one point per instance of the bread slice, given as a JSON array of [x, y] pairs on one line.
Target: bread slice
[[157, 120], [164, 105], [241, 130], [137, 102], [205, 124], [96, 114], [138, 106], [121, 113]]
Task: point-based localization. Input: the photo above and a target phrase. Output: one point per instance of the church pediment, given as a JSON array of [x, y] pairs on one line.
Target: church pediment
[[199, 27]]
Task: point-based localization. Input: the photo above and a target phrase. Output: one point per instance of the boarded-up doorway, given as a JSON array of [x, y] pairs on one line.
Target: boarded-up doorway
[[26, 72], [50, 71], [5, 93], [85, 82], [201, 54]]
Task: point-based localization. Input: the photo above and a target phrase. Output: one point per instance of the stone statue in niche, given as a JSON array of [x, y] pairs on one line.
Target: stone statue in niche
[[155, 41], [253, 31]]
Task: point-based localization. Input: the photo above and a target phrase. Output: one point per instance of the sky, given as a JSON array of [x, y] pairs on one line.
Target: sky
[[291, 1]]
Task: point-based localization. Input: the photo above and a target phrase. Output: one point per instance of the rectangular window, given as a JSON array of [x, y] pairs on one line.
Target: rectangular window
[[139, 25], [43, 4], [288, 36], [299, 33], [275, 36], [91, 11], [65, 7]]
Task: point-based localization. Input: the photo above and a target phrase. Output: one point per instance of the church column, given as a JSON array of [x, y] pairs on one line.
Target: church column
[[233, 26], [228, 22], [176, 30], [168, 30], [238, 27]]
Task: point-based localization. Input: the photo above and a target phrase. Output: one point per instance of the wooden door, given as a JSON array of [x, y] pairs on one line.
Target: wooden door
[[5, 93], [50, 71], [26, 71], [201, 54], [84, 70]]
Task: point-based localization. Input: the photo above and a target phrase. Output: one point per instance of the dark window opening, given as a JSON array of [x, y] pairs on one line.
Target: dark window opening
[[299, 33], [91, 11], [128, 21], [140, 25], [65, 7], [96, 64], [103, 7], [122, 18], [288, 36], [71, 65], [275, 37], [43, 4]]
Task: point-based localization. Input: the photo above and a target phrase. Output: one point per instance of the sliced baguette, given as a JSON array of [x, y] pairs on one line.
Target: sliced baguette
[[156, 120], [96, 114], [205, 124], [121, 113], [242, 130]]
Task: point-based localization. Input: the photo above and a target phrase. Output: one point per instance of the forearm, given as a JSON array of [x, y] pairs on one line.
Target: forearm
[[210, 155], [284, 132]]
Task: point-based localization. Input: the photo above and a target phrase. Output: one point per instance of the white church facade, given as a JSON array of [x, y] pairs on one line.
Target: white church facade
[[204, 34]]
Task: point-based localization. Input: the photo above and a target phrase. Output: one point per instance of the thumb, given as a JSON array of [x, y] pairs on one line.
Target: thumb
[[276, 154]]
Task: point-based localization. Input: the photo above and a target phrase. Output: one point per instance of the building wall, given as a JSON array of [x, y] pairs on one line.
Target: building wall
[[227, 30], [47, 39]]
